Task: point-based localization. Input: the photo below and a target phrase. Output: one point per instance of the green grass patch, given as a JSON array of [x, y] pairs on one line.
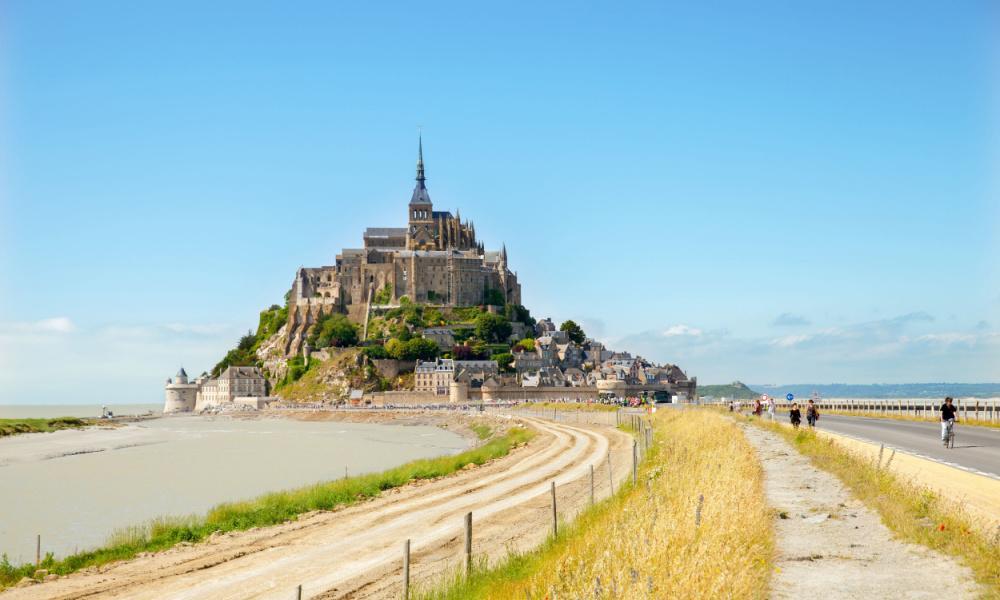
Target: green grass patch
[[269, 509], [482, 431], [16, 426], [915, 513]]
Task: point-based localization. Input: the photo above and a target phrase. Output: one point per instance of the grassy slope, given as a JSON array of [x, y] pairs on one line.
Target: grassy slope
[[914, 513], [16, 426], [644, 542], [269, 509]]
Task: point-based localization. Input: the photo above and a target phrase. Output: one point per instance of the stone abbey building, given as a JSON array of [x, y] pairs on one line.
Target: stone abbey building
[[436, 259]]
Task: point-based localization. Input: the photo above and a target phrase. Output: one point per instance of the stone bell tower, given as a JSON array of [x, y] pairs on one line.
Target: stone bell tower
[[421, 231]]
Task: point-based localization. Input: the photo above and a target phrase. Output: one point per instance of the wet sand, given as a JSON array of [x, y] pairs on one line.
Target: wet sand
[[75, 487]]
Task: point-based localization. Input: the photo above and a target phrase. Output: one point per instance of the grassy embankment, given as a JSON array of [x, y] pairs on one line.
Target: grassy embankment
[[16, 426], [913, 512], [269, 509], [653, 540]]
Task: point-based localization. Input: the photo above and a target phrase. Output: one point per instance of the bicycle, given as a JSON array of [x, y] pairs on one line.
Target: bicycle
[[949, 434]]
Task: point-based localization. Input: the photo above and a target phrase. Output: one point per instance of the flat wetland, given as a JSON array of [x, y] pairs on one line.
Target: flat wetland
[[75, 487]]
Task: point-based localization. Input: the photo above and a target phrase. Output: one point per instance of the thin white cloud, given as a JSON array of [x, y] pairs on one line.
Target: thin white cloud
[[57, 325], [682, 330]]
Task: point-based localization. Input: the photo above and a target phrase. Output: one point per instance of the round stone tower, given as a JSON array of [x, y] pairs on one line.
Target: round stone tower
[[180, 395]]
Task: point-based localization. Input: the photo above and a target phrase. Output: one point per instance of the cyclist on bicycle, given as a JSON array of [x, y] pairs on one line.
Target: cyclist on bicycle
[[948, 412]]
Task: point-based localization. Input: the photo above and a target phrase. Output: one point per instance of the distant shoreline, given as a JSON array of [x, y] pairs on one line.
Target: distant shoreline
[[82, 411]]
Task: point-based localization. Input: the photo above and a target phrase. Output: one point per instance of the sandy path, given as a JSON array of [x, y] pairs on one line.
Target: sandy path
[[831, 546], [356, 552]]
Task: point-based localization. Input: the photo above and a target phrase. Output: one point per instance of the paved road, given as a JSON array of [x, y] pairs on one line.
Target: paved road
[[976, 448]]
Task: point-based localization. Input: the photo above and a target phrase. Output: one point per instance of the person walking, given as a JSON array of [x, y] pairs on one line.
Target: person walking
[[812, 414], [795, 415], [948, 412], [770, 408]]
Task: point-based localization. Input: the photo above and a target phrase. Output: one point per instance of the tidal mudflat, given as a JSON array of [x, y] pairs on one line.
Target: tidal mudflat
[[76, 487]]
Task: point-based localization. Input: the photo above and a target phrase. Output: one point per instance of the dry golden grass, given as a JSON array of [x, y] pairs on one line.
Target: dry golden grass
[[653, 540]]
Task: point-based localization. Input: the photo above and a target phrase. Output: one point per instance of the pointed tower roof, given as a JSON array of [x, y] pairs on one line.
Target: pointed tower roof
[[420, 195]]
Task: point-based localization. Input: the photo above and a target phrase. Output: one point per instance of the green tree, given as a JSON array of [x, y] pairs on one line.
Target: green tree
[[416, 348], [492, 328], [375, 352], [333, 330], [394, 348], [421, 348], [574, 331], [518, 313], [505, 360], [527, 344]]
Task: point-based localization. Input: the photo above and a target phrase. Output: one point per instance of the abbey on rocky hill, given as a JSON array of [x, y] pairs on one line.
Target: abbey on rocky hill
[[435, 260]]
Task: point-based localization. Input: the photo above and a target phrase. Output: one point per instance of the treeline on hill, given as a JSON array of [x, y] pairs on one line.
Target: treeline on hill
[[736, 390]]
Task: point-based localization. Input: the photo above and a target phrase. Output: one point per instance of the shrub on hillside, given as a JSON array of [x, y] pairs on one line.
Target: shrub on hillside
[[333, 330], [492, 328]]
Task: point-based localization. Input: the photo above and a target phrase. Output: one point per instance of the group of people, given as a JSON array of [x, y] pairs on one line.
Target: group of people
[[760, 405], [812, 414], [948, 412]]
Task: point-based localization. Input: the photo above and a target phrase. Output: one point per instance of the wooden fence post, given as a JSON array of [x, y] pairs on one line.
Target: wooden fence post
[[468, 544], [591, 485], [635, 460], [555, 518], [406, 570], [38, 551], [298, 592], [611, 480]]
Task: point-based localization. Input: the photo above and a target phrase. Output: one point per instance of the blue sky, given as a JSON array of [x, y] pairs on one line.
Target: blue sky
[[773, 192]]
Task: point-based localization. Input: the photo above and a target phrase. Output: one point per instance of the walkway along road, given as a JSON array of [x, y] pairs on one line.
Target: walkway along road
[[356, 552], [977, 449]]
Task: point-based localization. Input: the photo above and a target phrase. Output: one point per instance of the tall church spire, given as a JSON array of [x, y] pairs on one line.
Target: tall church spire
[[420, 159], [420, 195]]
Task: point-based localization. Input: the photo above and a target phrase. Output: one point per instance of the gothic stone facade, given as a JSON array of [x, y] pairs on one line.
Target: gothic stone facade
[[436, 259]]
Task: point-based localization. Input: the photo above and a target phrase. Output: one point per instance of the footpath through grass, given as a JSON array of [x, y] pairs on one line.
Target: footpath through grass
[[913, 512], [696, 526], [269, 509], [16, 426]]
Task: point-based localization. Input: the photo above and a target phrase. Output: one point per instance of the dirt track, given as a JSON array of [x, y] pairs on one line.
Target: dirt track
[[356, 552], [831, 546]]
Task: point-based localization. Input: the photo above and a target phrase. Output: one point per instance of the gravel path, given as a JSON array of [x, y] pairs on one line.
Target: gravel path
[[831, 546]]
